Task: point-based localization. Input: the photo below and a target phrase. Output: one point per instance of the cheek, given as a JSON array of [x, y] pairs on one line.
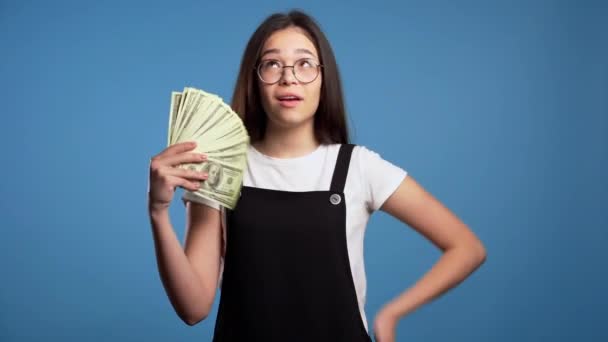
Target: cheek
[[316, 94], [265, 92], [318, 83]]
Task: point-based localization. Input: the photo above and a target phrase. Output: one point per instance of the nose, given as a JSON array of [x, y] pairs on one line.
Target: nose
[[287, 76]]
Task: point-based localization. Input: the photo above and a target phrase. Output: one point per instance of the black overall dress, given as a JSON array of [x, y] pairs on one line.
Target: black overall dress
[[287, 275]]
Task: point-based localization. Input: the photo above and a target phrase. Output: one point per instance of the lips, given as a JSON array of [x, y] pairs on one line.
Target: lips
[[289, 97], [289, 100]]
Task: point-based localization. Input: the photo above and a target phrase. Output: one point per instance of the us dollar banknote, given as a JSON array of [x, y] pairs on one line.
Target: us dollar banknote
[[219, 132]]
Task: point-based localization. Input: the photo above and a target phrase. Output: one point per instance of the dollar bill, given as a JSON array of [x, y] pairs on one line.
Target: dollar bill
[[175, 99], [223, 183], [196, 115]]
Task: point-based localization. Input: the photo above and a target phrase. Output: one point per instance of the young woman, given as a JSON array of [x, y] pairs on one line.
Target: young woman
[[289, 257]]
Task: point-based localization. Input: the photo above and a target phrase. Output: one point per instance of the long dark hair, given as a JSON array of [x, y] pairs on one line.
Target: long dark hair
[[330, 119]]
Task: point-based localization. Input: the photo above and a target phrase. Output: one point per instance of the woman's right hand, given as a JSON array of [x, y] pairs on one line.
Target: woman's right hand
[[165, 176]]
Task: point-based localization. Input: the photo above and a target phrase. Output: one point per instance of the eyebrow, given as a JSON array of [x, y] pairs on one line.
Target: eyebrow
[[279, 51]]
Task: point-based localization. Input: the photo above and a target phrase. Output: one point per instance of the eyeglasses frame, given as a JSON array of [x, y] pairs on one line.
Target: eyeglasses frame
[[293, 71]]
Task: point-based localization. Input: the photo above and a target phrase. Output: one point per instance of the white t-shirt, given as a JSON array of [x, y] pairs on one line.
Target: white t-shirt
[[370, 181]]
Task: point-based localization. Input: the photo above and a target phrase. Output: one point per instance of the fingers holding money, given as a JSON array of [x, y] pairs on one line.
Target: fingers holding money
[[183, 158], [177, 154], [165, 175], [166, 179], [186, 178], [189, 175], [177, 149], [187, 184], [181, 147]]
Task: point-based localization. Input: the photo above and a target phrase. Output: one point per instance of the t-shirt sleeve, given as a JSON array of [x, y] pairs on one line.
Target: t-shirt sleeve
[[193, 197], [380, 177]]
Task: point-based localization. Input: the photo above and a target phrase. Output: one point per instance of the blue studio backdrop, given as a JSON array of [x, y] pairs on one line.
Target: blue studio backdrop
[[498, 108]]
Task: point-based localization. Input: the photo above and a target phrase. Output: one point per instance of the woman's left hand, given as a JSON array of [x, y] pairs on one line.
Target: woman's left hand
[[385, 326]]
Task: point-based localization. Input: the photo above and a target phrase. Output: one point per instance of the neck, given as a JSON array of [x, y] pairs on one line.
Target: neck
[[293, 142]]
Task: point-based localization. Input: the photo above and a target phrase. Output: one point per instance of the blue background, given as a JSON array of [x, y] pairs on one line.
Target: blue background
[[499, 109]]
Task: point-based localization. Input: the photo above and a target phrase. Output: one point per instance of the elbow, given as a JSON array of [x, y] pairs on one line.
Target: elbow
[[480, 253], [474, 250], [199, 312], [193, 320]]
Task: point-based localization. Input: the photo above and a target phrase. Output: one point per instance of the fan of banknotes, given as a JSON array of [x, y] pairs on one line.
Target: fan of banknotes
[[199, 116]]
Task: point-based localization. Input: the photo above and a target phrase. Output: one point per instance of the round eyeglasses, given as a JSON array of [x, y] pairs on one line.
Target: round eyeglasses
[[304, 70]]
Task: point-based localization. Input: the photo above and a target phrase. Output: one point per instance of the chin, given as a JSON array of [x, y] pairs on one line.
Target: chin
[[291, 119]]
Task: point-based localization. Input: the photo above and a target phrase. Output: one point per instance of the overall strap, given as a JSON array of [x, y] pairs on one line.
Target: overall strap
[[341, 169]]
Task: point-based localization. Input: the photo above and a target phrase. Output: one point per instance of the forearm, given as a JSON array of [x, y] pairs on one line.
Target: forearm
[[182, 285], [452, 268]]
